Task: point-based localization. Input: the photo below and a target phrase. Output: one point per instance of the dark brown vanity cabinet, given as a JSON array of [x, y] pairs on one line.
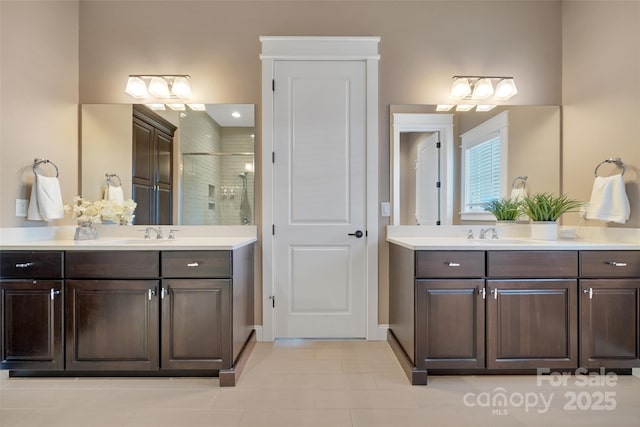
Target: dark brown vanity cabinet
[[450, 310], [610, 309], [477, 311], [31, 310], [112, 310], [532, 309]]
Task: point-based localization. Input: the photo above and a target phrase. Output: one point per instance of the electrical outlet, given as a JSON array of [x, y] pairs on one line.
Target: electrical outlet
[[21, 207]]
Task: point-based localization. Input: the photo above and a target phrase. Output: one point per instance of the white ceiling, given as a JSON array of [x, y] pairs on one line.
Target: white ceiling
[[221, 113]]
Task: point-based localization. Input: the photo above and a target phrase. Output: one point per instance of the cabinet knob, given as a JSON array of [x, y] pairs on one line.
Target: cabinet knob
[[590, 292], [151, 293], [495, 293], [617, 264], [483, 292], [193, 264], [163, 293], [54, 293]]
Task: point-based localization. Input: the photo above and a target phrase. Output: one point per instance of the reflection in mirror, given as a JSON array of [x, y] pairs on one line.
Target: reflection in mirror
[[212, 173], [534, 146]]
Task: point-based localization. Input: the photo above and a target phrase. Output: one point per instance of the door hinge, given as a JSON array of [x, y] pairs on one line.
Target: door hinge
[[438, 184], [273, 229], [438, 145], [273, 301], [273, 157], [273, 85]]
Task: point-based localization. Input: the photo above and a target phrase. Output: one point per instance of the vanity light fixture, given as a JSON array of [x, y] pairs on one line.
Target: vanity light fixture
[[159, 86], [157, 107], [479, 88], [444, 107], [197, 107]]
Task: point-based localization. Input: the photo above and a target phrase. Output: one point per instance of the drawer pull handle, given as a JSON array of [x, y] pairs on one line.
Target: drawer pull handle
[[590, 292], [151, 293], [483, 292], [163, 293], [617, 264], [193, 264], [453, 264], [25, 264], [54, 293], [495, 293]]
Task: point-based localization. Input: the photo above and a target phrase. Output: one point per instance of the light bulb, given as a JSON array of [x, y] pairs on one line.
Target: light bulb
[[181, 87], [158, 87], [482, 89]]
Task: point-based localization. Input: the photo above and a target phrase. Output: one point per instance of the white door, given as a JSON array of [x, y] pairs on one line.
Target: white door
[[319, 199], [427, 198]]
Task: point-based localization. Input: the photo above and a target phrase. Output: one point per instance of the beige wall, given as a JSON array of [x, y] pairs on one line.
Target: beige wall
[[217, 43], [601, 95], [39, 98], [106, 136]]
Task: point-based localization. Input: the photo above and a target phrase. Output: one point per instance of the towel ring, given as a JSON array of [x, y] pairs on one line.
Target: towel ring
[[522, 179], [38, 162], [615, 160], [110, 176]]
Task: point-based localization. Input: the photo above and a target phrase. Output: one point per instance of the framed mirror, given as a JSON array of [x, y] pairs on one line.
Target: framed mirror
[[194, 167], [427, 166]]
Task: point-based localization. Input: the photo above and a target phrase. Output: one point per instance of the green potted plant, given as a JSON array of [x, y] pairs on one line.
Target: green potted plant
[[503, 209], [544, 209]]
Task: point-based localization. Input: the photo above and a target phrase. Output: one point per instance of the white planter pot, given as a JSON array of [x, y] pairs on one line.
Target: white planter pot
[[544, 230], [506, 228]]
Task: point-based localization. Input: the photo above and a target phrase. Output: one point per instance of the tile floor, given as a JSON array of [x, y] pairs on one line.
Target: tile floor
[[305, 383]]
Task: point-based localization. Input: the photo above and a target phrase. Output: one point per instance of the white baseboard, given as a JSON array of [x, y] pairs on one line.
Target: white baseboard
[[382, 332], [635, 372], [258, 329]]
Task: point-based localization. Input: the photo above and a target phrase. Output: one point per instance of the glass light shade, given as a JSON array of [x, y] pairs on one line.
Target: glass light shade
[[158, 87], [505, 89], [177, 107], [460, 88], [482, 89], [485, 107], [197, 107], [181, 87], [158, 107], [136, 87], [444, 107], [464, 107]]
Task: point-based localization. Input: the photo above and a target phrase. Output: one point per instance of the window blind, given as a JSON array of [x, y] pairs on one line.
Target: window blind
[[482, 178]]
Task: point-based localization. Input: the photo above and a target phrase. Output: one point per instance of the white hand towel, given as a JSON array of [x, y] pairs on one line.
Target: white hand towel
[[114, 193], [609, 200], [45, 203], [518, 193]]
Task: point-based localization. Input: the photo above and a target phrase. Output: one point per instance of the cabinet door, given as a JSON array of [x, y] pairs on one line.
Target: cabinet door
[[111, 325], [609, 323], [196, 324], [450, 324], [31, 324], [532, 324]]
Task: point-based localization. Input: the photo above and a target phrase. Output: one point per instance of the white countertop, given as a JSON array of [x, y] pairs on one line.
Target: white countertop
[[454, 238], [129, 239]]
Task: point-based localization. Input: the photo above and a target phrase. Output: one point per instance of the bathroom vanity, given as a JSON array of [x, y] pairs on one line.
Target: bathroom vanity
[[469, 307], [128, 307]]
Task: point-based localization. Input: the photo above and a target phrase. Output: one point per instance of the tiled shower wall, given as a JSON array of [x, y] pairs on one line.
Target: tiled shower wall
[[212, 187]]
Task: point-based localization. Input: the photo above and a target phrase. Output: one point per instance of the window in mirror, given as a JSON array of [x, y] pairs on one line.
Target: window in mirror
[[484, 171]]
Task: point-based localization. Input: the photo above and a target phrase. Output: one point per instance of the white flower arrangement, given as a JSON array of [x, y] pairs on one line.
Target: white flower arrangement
[[94, 212]]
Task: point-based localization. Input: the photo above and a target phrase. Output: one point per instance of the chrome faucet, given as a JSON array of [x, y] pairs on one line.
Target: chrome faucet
[[148, 230], [484, 231]]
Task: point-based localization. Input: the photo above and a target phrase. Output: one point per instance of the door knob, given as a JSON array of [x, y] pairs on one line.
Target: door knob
[[358, 234]]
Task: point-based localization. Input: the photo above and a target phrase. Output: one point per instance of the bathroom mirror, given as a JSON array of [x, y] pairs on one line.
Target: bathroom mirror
[[211, 153], [533, 151]]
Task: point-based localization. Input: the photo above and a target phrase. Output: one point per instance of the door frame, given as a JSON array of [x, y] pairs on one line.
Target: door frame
[[320, 49], [424, 122]]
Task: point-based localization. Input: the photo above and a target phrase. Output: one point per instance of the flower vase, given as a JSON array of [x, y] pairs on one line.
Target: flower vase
[[86, 231]]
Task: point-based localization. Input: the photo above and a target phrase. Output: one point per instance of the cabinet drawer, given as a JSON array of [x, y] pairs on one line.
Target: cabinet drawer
[[31, 265], [532, 264], [432, 264], [112, 265], [610, 264], [184, 264]]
